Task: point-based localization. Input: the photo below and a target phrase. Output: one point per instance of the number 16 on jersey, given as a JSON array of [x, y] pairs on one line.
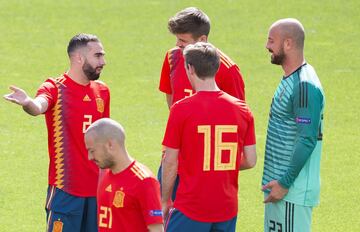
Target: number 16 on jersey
[[219, 147]]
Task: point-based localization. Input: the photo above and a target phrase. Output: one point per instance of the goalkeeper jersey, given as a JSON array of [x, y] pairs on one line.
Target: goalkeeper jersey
[[296, 119]]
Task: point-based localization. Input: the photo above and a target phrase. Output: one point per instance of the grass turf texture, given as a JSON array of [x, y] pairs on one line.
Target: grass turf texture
[[33, 46]]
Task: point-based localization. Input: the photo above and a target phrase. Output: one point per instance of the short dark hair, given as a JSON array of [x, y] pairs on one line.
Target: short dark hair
[[79, 41], [190, 20], [204, 58]]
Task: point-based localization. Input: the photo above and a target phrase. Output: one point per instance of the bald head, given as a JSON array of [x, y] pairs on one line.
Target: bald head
[[290, 28], [106, 129]]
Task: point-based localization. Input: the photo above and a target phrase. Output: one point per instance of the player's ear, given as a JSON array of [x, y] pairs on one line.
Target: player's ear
[[191, 69], [288, 43], [109, 145], [77, 57], [202, 38]]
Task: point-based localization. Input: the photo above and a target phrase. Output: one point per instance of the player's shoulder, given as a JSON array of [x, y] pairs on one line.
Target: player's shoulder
[[225, 60], [174, 52], [182, 103], [99, 84], [55, 81], [306, 79], [174, 49], [238, 103], [141, 171], [308, 74]]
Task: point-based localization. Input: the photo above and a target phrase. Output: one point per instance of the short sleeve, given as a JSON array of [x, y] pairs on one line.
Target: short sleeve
[[250, 138], [48, 90], [229, 80], [149, 199], [107, 105], [174, 128], [165, 85]]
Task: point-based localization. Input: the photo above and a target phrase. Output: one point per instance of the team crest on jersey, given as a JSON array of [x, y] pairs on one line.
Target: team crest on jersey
[[58, 226], [118, 201], [100, 105]]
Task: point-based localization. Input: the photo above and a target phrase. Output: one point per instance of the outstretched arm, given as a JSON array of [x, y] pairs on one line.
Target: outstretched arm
[[31, 106]]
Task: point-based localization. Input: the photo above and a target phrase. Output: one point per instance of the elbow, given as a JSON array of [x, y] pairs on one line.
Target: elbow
[[252, 163], [247, 165], [249, 158], [169, 163], [34, 113], [31, 112]]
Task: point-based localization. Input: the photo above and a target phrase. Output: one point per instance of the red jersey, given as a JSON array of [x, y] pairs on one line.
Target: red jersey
[[71, 109], [173, 79], [129, 200], [210, 130]]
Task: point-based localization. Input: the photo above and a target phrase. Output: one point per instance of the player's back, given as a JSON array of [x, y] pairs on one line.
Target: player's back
[[214, 129]]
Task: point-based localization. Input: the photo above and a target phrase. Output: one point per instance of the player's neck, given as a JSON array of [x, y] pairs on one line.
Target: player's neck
[[122, 162], [292, 63], [208, 84], [78, 76]]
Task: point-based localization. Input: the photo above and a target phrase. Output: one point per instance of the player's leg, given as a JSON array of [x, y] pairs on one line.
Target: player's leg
[[178, 222], [63, 211], [288, 217], [302, 216], [226, 226], [89, 221], [274, 219]]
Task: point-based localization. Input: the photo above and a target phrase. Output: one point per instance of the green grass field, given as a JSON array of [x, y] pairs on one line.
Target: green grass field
[[34, 36]]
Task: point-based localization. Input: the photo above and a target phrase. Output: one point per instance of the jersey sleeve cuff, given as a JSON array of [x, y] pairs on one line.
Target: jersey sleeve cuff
[[285, 182]]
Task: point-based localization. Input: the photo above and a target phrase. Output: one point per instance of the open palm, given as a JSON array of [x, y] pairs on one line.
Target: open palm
[[18, 96]]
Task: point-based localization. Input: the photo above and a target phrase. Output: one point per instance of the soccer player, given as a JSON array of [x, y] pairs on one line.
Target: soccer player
[[189, 26], [291, 177], [209, 137], [128, 193], [71, 103]]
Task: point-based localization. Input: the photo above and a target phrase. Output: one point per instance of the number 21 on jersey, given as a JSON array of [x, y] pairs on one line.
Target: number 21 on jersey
[[219, 147], [105, 217]]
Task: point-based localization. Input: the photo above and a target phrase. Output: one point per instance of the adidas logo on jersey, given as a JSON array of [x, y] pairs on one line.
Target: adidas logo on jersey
[[108, 188], [86, 98]]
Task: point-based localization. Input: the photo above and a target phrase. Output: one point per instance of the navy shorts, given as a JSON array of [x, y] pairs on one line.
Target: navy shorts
[[178, 222], [68, 213]]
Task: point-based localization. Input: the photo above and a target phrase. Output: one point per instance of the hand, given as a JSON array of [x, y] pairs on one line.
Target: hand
[[18, 96], [277, 192]]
